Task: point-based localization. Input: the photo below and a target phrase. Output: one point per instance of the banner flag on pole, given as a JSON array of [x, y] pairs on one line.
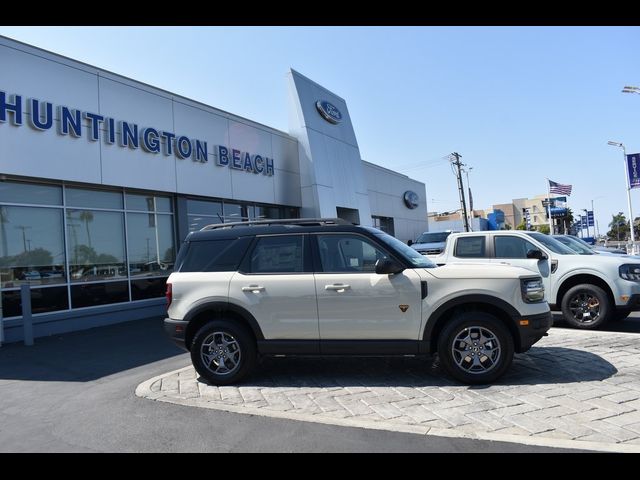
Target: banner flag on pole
[[633, 167]]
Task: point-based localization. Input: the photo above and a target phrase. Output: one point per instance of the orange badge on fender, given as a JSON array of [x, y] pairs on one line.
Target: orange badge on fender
[[404, 308]]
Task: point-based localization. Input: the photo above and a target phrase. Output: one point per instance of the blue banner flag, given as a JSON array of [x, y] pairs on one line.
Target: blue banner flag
[[590, 218], [633, 167], [583, 221]]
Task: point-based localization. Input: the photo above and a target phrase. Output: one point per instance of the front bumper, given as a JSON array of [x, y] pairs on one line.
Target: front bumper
[[633, 304], [176, 330], [536, 329]]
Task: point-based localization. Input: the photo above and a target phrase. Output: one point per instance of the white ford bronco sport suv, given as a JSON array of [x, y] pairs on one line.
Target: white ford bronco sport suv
[[327, 287], [590, 289]]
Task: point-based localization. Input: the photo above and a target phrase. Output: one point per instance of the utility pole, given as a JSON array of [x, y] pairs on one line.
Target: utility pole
[[461, 189]]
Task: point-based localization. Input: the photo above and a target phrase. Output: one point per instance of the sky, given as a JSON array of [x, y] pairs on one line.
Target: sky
[[519, 104]]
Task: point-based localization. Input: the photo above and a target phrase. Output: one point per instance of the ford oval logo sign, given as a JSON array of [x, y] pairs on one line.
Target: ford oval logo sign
[[329, 112], [411, 199]]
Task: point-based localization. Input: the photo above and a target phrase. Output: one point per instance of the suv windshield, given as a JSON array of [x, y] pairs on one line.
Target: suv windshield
[[435, 237], [551, 243], [574, 244], [416, 259]]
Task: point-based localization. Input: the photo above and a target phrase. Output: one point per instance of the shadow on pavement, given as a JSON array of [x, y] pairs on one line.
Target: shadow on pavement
[[88, 354], [630, 324], [540, 365]]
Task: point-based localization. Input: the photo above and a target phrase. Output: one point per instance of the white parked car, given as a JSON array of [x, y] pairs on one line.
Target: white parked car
[[327, 287], [589, 289]]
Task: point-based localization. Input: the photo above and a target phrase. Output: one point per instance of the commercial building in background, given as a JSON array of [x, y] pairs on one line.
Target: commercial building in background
[[102, 177]]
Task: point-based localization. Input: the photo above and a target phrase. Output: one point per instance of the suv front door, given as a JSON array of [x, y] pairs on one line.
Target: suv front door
[[512, 250], [356, 303]]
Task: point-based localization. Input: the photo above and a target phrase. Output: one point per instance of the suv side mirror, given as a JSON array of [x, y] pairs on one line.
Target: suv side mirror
[[537, 254], [387, 266], [409, 242]]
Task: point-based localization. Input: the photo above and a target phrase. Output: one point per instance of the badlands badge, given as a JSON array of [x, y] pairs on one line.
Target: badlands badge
[[404, 308]]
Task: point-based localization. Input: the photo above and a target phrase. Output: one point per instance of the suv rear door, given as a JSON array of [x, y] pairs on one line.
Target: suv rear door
[[355, 303], [275, 284]]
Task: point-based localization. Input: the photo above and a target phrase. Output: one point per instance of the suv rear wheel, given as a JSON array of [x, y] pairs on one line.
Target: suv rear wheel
[[223, 352], [475, 347]]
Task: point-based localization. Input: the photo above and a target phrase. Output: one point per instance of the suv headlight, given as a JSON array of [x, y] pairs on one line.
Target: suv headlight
[[532, 290], [630, 271]]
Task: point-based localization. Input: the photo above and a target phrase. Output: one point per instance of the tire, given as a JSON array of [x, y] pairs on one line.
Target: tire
[[620, 314], [455, 351], [586, 307], [237, 352]]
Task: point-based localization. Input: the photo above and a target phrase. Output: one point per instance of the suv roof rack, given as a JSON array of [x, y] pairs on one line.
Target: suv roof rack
[[288, 221]]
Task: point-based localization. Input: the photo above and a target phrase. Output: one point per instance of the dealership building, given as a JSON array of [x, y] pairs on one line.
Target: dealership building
[[102, 177]]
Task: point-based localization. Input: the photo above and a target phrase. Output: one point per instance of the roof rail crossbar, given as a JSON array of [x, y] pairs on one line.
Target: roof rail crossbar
[[288, 221]]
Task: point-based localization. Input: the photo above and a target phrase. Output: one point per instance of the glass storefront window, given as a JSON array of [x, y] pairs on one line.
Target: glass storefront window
[[233, 213], [31, 246], [93, 294], [18, 192], [84, 197], [43, 300], [151, 244], [148, 203], [96, 245], [205, 208]]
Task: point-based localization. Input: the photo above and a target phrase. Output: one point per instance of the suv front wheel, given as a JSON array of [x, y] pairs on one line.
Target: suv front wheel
[[223, 352], [475, 347], [586, 306]]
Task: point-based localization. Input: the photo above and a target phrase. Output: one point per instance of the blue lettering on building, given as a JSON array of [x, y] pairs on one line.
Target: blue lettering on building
[[201, 151], [94, 123], [258, 164], [72, 122], [36, 115], [129, 135], [150, 140], [236, 161], [168, 136], [183, 147], [223, 156], [246, 165], [14, 107], [111, 131]]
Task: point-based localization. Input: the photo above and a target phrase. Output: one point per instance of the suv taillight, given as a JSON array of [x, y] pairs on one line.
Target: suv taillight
[[168, 294]]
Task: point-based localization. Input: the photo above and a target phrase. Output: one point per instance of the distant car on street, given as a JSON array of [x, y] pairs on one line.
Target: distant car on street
[[583, 247], [432, 243]]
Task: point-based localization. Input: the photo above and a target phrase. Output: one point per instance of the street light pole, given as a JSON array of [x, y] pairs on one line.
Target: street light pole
[[466, 172], [626, 181]]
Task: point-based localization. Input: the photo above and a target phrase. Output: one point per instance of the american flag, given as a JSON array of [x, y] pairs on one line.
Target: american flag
[[555, 187]]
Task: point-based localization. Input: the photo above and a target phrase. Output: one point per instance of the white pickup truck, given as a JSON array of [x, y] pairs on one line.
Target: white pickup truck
[[590, 290]]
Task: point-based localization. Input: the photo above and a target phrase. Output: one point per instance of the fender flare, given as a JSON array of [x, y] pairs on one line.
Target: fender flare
[[473, 298], [221, 306]]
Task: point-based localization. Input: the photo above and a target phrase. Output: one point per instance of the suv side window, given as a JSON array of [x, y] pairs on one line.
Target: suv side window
[[508, 246], [345, 253], [470, 247], [278, 254], [212, 255]]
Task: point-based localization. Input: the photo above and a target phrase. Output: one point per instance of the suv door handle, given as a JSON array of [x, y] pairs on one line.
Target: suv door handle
[[339, 287], [253, 288]]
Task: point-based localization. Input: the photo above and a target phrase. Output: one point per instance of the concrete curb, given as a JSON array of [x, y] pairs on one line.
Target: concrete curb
[[144, 391]]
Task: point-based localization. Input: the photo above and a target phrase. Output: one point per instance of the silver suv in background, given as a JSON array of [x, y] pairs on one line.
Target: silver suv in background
[[432, 243]]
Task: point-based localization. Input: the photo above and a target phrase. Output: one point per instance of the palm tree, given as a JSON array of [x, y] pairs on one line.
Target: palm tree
[[4, 218], [619, 227], [86, 216]]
